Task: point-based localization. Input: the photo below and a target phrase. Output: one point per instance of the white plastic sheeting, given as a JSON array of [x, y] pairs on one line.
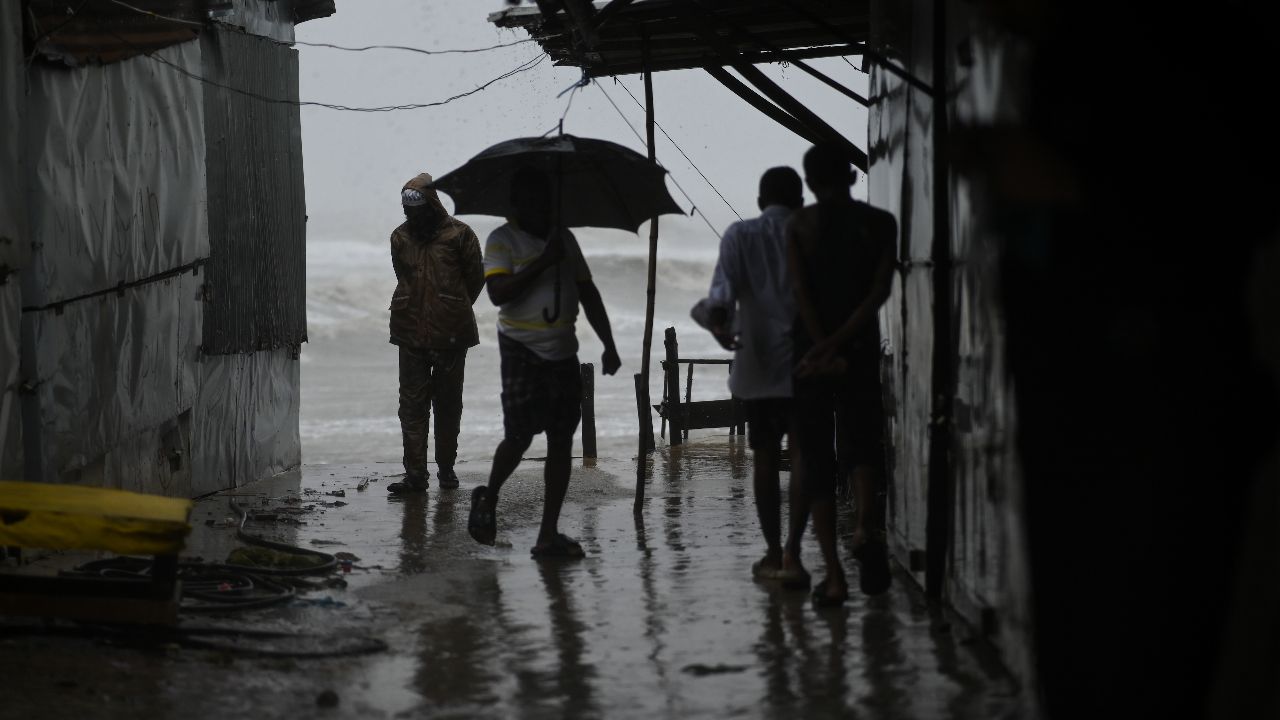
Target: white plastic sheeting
[[116, 185], [13, 247], [108, 369], [245, 423], [11, 467]]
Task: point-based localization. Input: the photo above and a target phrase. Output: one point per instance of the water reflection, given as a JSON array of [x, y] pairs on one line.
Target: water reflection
[[413, 533], [572, 679]]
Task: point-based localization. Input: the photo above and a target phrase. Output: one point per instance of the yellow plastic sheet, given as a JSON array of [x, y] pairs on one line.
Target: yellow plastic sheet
[[69, 517]]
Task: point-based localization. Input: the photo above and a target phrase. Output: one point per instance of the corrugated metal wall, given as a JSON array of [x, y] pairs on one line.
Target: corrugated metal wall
[[14, 244], [255, 296], [900, 182]]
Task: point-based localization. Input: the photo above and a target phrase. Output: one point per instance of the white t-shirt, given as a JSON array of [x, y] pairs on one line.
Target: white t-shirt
[[507, 251], [752, 274]]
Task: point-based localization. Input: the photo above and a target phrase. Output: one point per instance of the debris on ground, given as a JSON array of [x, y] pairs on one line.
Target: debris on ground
[[246, 556], [337, 493]]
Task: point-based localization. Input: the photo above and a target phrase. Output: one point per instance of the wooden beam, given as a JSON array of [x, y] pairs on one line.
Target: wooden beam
[[608, 11], [582, 12], [777, 114], [784, 99]]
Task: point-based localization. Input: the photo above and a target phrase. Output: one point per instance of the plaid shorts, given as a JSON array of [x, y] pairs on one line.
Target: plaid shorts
[[538, 395]]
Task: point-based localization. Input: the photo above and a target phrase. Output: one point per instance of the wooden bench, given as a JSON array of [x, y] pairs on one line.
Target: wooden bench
[[685, 415], [73, 517]]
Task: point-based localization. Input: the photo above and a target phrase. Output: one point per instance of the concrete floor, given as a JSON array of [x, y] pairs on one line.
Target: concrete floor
[[661, 620]]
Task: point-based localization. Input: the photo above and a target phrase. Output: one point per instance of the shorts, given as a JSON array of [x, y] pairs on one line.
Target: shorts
[[538, 395], [768, 421], [845, 413]]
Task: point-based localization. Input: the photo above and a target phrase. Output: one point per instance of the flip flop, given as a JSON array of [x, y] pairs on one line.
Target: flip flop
[[761, 570], [822, 600], [794, 579], [562, 546], [481, 523]]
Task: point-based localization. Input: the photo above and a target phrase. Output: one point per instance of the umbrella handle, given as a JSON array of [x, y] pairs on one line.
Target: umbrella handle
[[553, 315]]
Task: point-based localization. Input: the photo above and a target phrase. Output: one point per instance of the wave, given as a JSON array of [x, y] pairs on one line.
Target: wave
[[349, 285]]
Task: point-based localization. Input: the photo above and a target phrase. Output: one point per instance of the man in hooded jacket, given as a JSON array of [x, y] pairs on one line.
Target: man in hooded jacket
[[439, 274]]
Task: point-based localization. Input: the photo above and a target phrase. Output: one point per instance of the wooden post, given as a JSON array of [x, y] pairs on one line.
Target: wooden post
[[588, 414], [688, 394], [642, 380], [672, 378]]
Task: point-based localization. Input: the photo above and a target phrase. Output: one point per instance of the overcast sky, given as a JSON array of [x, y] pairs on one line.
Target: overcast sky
[[356, 162]]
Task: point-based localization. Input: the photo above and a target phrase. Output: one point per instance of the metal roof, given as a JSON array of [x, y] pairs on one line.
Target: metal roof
[[107, 31], [610, 38]]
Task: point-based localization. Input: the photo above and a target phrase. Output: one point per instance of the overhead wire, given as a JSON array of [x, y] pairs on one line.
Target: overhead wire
[[682, 152], [522, 67], [635, 132]]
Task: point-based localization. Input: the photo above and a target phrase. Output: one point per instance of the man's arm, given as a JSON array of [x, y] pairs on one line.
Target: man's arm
[[722, 295], [796, 228], [881, 285], [505, 287], [472, 265], [593, 307]]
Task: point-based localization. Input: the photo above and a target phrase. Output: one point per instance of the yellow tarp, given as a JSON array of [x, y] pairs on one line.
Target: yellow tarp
[[69, 517]]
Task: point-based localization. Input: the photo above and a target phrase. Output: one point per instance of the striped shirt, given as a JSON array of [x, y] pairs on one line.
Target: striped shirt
[[507, 251]]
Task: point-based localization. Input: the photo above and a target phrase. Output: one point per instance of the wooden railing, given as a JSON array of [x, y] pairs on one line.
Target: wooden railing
[[687, 414]]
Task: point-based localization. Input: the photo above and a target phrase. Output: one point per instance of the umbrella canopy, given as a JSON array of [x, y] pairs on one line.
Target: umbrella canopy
[[603, 184]]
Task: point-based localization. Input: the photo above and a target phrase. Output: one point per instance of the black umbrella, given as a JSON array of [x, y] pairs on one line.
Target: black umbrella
[[601, 184]]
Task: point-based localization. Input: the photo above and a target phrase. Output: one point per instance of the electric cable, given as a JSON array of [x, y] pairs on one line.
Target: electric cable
[[635, 132], [682, 152]]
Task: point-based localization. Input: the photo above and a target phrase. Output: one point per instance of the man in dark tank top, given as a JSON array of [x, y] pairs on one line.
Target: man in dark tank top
[[841, 254]]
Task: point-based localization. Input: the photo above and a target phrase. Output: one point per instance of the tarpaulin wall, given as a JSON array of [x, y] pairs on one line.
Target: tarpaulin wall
[[14, 244], [954, 462], [111, 309]]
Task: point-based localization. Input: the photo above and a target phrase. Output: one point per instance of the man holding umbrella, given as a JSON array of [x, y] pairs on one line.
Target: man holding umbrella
[[537, 276]]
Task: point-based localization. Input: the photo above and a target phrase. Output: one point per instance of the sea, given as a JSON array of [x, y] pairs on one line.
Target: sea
[[349, 369]]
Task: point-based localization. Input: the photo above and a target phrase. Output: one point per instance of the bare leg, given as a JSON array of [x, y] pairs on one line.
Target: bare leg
[[764, 476], [824, 526], [864, 481], [798, 517], [505, 461], [556, 478]]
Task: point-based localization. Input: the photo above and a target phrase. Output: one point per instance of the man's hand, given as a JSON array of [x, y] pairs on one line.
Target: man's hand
[[724, 336], [554, 250], [821, 361], [609, 361]]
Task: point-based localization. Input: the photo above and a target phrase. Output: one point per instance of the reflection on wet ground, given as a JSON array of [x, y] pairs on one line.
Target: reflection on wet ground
[[661, 620]]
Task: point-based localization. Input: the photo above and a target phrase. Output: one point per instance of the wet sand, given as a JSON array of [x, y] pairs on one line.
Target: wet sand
[[662, 619]]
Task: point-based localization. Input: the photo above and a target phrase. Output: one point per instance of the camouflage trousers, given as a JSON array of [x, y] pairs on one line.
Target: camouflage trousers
[[430, 380]]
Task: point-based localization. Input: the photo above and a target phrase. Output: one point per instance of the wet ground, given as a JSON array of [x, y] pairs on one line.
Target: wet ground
[[662, 619]]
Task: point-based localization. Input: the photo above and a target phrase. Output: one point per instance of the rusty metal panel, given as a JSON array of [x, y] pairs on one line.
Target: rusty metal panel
[[116, 176], [108, 32], [255, 289], [988, 571], [900, 181]]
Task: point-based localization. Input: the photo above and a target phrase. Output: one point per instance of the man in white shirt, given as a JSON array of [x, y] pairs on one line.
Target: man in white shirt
[[751, 274], [536, 275]]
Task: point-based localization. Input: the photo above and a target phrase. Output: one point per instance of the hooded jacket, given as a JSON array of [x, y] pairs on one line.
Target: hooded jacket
[[439, 275]]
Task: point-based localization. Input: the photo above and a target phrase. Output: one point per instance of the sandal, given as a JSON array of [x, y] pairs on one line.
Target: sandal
[[763, 569], [796, 578], [822, 600], [561, 546], [481, 523]]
